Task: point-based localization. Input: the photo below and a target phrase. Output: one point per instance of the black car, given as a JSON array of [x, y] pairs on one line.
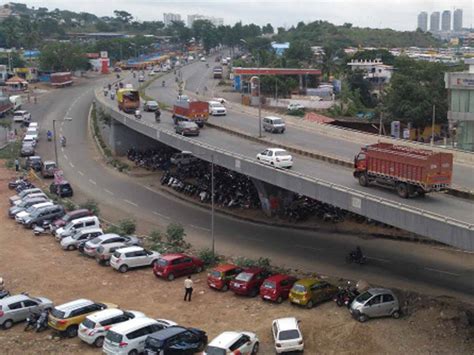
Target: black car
[[62, 189], [176, 340], [34, 162], [187, 128]]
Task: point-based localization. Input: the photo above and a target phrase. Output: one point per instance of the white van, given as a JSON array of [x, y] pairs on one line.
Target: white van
[[75, 226]]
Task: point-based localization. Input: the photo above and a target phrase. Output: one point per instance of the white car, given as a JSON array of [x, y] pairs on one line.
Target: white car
[[287, 335], [82, 235], [190, 58], [220, 99], [244, 343], [21, 116], [217, 109], [152, 73], [30, 139], [203, 59], [141, 78], [295, 107], [95, 327], [277, 157], [32, 131], [130, 257]]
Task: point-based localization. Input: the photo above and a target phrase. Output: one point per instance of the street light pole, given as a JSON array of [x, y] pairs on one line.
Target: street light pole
[[55, 143], [212, 205]]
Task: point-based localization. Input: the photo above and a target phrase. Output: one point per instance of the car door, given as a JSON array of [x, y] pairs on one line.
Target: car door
[[270, 156], [29, 306], [131, 259], [243, 345], [373, 306], [285, 286], [388, 305], [187, 266], [324, 291], [141, 258]]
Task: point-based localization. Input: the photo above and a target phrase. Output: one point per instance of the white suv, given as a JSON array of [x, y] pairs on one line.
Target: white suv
[[129, 337], [216, 108], [95, 327], [75, 226], [130, 257], [245, 343], [287, 335]]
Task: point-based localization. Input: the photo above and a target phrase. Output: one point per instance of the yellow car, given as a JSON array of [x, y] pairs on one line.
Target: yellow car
[[308, 292], [67, 317]]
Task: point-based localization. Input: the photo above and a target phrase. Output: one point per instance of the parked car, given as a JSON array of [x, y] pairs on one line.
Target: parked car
[[48, 168], [23, 194], [72, 242], [187, 128], [277, 157], [248, 282], [96, 326], [176, 340], [34, 162], [41, 215], [75, 226], [27, 149], [70, 216], [217, 109], [129, 337], [14, 309], [29, 139], [32, 131], [91, 246], [131, 257], [277, 288], [20, 217], [375, 302], [26, 203], [287, 335], [170, 266], [21, 116], [308, 292], [183, 158], [150, 106], [105, 252], [220, 277], [273, 124], [244, 343], [62, 189], [141, 78], [295, 107], [66, 317]]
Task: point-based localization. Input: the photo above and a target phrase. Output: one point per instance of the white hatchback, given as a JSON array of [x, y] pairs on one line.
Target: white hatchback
[[130, 257], [287, 335], [95, 327], [277, 157], [217, 109], [245, 343]]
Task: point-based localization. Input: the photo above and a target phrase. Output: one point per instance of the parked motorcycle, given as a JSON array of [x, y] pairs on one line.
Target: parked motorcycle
[[345, 296], [4, 293], [157, 115], [31, 321], [138, 114], [42, 321]]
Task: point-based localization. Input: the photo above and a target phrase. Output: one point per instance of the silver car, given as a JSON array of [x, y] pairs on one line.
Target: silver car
[[104, 252], [375, 302], [23, 194], [90, 248], [17, 308], [83, 235]]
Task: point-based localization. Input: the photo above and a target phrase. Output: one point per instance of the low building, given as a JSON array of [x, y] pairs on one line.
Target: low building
[[16, 84], [374, 70], [280, 48]]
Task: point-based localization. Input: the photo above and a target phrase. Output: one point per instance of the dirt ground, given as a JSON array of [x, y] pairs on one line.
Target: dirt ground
[[38, 265]]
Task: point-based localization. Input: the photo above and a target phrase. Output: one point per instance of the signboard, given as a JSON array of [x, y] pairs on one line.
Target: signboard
[[406, 133], [104, 54], [395, 129]]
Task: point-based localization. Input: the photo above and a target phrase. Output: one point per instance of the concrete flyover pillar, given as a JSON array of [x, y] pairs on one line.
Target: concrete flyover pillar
[[122, 138], [273, 199]]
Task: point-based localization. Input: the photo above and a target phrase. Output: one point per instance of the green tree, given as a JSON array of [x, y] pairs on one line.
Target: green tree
[[123, 16], [356, 81], [300, 51], [268, 29], [62, 57]]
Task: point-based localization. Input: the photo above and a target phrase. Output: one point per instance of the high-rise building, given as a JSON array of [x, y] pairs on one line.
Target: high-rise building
[[457, 20], [168, 18], [422, 21], [434, 21], [216, 21], [446, 21]]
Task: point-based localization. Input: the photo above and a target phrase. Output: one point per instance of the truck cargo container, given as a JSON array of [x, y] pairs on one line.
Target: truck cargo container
[[61, 79], [410, 171], [16, 101], [5, 105], [128, 100], [195, 111]]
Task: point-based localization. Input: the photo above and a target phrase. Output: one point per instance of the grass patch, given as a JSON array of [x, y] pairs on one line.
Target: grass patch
[[9, 153]]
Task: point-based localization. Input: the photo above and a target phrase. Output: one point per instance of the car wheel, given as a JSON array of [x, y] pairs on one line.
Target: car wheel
[[99, 342], [362, 318], [225, 288], [71, 331], [272, 163], [199, 269], [170, 277], [123, 268], [279, 299], [33, 226], [133, 352], [309, 304], [254, 293], [71, 247], [396, 314], [255, 349], [7, 324], [153, 263]]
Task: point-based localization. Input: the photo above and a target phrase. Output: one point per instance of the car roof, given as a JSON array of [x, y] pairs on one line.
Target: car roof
[[151, 101], [89, 230], [49, 162], [287, 323], [20, 112], [168, 332], [105, 314], [308, 282], [273, 118], [225, 339], [253, 270], [108, 236], [214, 102], [43, 204], [278, 277], [15, 298], [173, 256], [277, 150], [132, 324], [84, 218], [129, 249], [28, 136], [225, 267], [33, 157], [81, 302]]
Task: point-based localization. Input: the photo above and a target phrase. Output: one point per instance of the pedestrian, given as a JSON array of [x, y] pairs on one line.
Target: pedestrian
[[17, 165], [188, 288]]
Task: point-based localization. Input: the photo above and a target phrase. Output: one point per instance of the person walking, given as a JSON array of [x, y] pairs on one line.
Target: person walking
[[188, 288], [17, 165]]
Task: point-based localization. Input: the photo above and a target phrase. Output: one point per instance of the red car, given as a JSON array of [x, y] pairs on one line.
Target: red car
[[248, 282], [170, 266], [277, 288], [220, 277]]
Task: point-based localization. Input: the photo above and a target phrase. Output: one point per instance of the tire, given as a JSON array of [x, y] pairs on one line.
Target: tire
[[170, 277], [362, 318], [279, 300], [71, 247], [7, 324], [396, 314], [310, 304], [402, 190], [225, 288], [199, 269], [254, 293], [339, 302], [71, 331], [99, 342], [133, 352], [255, 348], [123, 268], [363, 180]]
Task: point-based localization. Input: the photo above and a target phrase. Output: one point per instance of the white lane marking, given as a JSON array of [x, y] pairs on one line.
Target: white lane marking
[[307, 247], [130, 203], [161, 215], [454, 250], [71, 164], [62, 149], [379, 259], [442, 271], [81, 173], [201, 228], [252, 239], [148, 188], [65, 157], [92, 182], [109, 192]]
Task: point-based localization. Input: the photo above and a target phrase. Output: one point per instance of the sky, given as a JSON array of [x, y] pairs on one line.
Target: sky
[[396, 14]]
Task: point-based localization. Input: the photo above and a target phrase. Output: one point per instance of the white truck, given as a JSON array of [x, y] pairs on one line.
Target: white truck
[[16, 101]]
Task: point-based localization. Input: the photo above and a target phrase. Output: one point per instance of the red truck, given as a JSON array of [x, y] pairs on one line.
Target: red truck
[[61, 79], [195, 111], [410, 171]]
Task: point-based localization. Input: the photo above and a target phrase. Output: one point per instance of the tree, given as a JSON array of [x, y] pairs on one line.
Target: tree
[[299, 51], [62, 57], [356, 81], [267, 29], [123, 16]]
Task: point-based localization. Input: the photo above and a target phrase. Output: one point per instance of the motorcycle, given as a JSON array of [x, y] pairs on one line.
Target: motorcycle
[[138, 114], [157, 115], [63, 142], [345, 296], [31, 321], [354, 258], [50, 136], [42, 321], [4, 293]]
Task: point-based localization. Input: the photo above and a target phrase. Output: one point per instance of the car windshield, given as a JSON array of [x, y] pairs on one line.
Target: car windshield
[[117, 254], [244, 276], [281, 153], [269, 284], [23, 203], [288, 334], [278, 121], [30, 209], [212, 350], [153, 344], [216, 274], [364, 297], [57, 313], [114, 337], [299, 288], [162, 262], [88, 323], [95, 240]]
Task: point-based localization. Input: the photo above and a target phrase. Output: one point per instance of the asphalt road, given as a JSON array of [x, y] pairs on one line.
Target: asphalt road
[[197, 76], [440, 271]]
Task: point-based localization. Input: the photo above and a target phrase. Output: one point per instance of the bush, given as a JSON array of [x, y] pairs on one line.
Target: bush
[[69, 205], [209, 258], [127, 226], [299, 113], [170, 242], [92, 206], [112, 229], [246, 262]]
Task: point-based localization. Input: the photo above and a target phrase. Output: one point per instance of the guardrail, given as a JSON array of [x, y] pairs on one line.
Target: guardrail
[[441, 228]]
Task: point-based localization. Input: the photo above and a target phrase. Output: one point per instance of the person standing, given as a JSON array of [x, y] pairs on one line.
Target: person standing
[[17, 165], [188, 288]]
